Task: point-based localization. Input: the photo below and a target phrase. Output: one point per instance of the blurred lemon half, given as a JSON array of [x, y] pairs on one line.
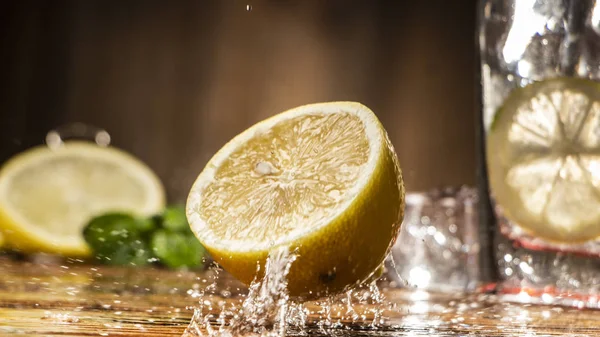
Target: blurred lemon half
[[48, 195], [543, 154], [321, 179]]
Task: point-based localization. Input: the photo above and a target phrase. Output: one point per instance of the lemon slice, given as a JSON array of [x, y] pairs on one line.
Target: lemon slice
[[48, 195], [322, 179], [543, 154]]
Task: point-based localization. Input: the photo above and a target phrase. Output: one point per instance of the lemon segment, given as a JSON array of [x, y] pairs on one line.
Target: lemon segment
[[48, 195], [543, 153], [321, 179]]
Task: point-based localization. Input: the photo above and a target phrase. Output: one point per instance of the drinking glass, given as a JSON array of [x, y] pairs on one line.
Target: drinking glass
[[438, 248], [539, 147]]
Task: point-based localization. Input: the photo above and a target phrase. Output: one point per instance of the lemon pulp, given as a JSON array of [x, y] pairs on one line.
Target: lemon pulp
[[543, 154], [322, 179], [48, 195]]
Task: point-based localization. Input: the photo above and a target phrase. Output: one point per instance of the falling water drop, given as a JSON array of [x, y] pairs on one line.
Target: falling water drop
[[53, 140]]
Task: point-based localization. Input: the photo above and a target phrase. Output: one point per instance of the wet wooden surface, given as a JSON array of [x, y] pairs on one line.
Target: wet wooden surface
[[75, 299]]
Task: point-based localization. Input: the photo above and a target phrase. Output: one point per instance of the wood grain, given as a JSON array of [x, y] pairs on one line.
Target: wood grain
[[76, 299], [172, 81]]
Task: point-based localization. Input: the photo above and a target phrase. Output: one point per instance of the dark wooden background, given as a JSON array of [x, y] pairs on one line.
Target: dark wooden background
[[172, 81]]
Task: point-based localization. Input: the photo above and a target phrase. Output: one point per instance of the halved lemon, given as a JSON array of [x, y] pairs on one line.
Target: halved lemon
[[47, 195], [322, 180], [543, 153]]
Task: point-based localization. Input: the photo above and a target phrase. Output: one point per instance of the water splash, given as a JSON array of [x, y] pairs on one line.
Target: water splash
[[266, 311], [60, 318]]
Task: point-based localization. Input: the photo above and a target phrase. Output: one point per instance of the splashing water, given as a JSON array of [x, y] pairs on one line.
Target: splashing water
[[266, 310]]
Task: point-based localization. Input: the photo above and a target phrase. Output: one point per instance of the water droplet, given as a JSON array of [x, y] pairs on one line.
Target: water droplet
[[249, 8], [526, 268], [431, 230], [102, 138], [264, 168], [53, 140], [547, 298], [440, 238]]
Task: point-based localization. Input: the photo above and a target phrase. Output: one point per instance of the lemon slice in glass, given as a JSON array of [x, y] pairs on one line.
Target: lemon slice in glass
[[47, 195], [320, 179], [543, 153]]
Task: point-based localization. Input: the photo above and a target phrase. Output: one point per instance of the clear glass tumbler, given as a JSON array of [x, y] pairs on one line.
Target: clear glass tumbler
[[437, 249], [540, 147]]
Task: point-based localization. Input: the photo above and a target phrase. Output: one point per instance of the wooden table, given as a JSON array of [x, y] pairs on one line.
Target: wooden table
[[76, 299]]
